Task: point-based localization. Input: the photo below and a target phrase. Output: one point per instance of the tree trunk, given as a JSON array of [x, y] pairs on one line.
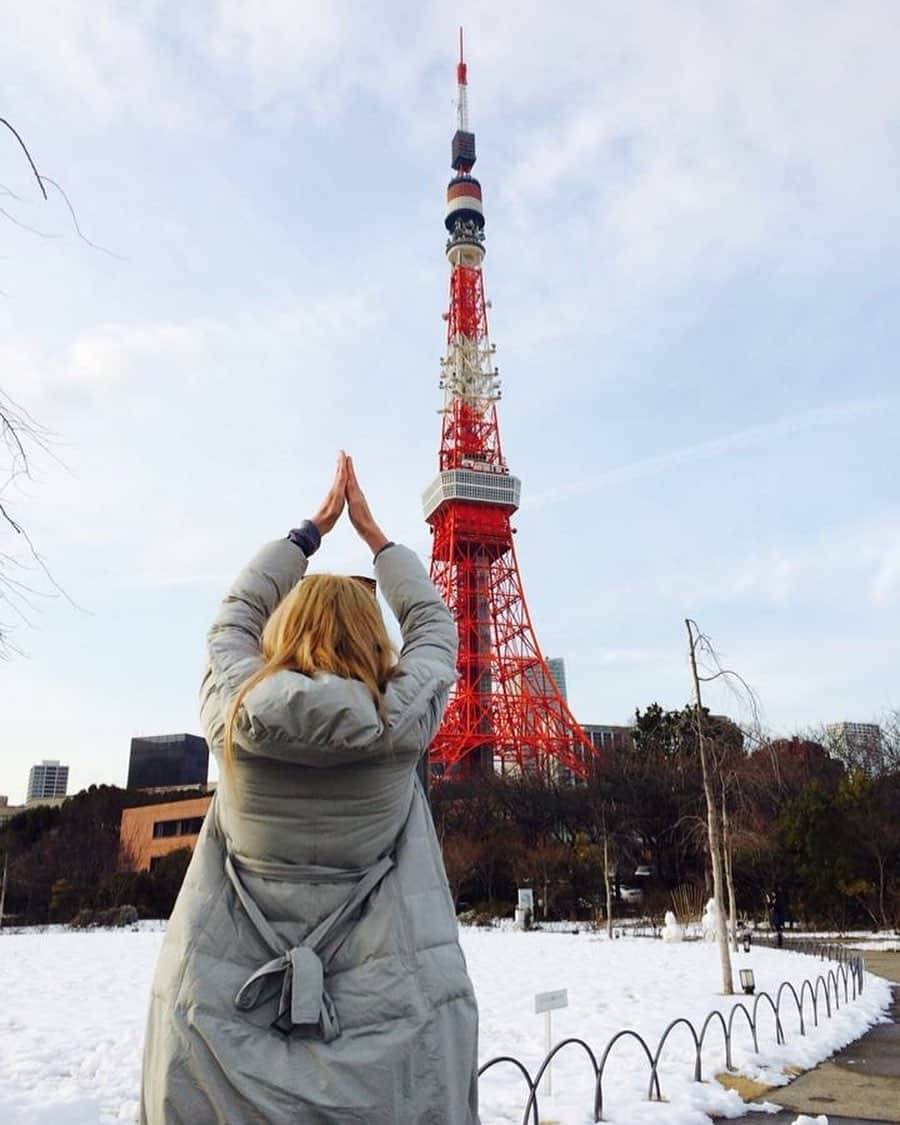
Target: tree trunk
[[3, 888], [883, 922], [608, 884], [729, 873], [712, 823]]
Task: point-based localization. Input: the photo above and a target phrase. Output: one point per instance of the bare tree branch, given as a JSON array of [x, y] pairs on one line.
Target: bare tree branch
[[15, 133], [78, 230], [25, 226], [20, 434], [750, 698]]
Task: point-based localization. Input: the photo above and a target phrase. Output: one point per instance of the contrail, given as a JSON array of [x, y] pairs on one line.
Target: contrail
[[714, 447]]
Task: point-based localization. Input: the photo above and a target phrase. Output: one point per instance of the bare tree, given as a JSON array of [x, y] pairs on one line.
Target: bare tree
[[3, 885], [462, 858], [21, 437], [695, 637], [607, 882], [890, 741]]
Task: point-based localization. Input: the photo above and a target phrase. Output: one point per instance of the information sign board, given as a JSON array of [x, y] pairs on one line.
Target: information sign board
[[549, 1001]]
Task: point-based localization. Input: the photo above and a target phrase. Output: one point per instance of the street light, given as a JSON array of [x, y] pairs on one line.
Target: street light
[[747, 982]]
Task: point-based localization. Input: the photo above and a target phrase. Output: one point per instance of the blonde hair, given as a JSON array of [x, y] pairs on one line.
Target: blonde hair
[[326, 623]]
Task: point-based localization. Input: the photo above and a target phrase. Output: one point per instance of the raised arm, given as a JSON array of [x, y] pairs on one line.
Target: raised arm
[[418, 694], [428, 631], [234, 637], [426, 625]]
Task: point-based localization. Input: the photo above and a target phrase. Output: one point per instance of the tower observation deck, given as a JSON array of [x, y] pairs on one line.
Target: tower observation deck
[[504, 712]]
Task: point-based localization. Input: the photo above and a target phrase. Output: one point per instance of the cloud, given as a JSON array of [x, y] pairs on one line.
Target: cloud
[[672, 149], [98, 360], [188, 68], [738, 441], [855, 565], [175, 428], [92, 65], [114, 355], [632, 151], [884, 588]]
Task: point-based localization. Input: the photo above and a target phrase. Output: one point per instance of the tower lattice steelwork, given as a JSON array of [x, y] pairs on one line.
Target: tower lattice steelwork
[[505, 709]]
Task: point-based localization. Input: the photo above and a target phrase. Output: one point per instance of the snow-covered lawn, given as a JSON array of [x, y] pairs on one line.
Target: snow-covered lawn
[[73, 1021]]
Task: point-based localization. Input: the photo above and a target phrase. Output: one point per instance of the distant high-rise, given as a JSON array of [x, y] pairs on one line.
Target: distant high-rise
[[49, 779], [606, 737], [857, 745], [557, 669], [541, 683], [168, 761]]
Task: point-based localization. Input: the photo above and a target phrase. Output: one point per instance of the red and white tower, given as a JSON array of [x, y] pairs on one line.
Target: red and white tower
[[505, 709]]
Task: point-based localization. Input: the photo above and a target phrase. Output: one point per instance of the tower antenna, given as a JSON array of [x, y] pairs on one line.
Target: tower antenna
[[462, 103]]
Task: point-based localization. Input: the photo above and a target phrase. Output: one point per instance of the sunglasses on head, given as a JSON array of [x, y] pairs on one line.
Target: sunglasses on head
[[369, 583]]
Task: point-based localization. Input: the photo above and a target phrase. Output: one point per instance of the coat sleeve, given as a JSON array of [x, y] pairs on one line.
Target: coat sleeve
[[290, 716], [234, 636], [427, 666]]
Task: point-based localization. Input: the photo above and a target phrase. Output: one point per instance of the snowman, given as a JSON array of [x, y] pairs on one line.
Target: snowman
[[710, 921], [672, 931]]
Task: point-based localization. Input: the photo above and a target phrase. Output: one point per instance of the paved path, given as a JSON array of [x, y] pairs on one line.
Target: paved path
[[858, 1085]]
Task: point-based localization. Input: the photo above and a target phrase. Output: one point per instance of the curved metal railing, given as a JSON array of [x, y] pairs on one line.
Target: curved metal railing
[[849, 971]]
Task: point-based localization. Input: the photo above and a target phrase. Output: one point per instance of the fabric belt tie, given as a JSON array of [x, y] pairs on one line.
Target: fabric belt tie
[[303, 1002], [297, 975]]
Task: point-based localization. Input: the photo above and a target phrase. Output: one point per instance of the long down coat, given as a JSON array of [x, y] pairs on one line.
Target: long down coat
[[311, 971]]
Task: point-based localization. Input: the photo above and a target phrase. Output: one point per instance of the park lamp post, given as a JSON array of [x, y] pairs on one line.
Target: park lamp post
[[747, 982]]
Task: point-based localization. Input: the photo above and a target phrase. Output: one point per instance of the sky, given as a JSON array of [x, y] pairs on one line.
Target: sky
[[692, 235]]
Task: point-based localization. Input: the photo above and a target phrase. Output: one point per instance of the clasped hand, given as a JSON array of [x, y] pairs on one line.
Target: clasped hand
[[345, 489]]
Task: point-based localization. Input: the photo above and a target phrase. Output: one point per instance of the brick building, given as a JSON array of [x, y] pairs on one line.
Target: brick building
[[151, 831]]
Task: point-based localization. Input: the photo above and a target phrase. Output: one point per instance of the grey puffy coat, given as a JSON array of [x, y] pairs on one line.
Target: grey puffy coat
[[311, 971]]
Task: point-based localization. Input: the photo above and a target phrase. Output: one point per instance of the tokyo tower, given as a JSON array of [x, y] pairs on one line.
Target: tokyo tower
[[505, 711]]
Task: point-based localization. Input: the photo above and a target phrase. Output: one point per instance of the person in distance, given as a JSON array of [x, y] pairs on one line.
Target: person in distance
[[311, 971]]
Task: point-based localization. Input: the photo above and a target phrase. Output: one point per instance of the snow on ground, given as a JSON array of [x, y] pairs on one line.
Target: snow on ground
[[641, 984], [72, 1027]]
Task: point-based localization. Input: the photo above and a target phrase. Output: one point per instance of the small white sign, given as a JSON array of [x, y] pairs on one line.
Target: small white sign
[[549, 1001], [526, 899]]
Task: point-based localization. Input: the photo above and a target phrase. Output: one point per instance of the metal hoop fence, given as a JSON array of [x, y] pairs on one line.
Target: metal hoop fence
[[819, 998]]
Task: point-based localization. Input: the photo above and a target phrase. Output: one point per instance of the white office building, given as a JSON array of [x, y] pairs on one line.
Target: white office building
[[49, 779], [557, 669], [857, 745]]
